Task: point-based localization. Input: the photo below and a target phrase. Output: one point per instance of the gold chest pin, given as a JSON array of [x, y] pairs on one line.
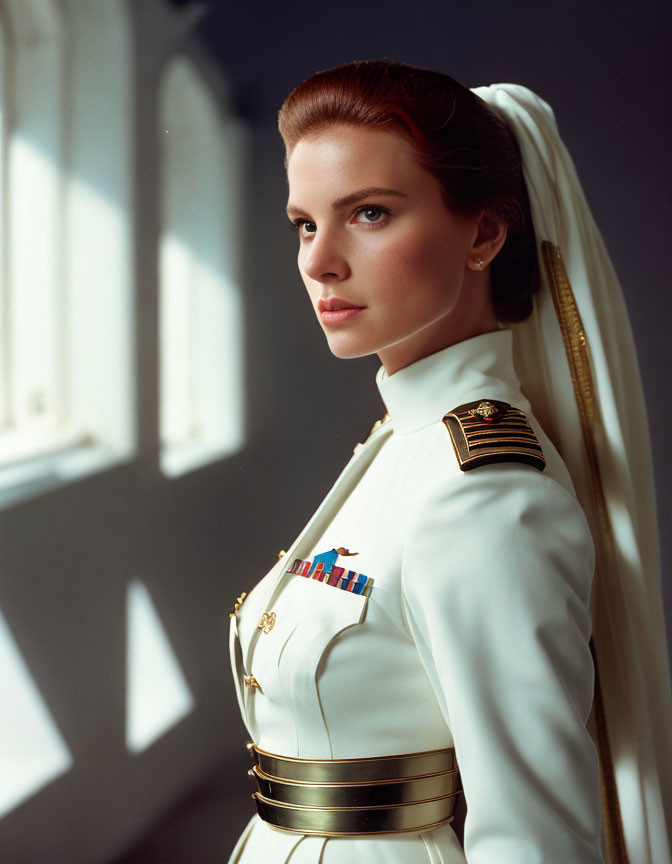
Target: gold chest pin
[[238, 603], [266, 622], [374, 428]]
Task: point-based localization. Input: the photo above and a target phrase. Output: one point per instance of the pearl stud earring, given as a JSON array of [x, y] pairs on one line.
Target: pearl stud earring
[[479, 263]]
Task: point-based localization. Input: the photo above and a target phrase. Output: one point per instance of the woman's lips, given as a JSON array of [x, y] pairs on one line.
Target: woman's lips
[[335, 310], [338, 316]]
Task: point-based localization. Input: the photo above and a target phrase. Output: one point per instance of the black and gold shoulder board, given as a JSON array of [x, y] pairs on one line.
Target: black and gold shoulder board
[[492, 431]]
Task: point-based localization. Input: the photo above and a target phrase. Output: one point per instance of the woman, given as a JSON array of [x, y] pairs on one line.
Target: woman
[[431, 633]]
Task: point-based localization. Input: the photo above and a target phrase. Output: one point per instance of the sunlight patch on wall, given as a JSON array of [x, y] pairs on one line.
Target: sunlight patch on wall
[[157, 694], [32, 751], [201, 311]]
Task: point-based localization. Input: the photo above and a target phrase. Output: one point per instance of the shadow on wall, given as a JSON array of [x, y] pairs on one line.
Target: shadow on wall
[[126, 540], [122, 425], [203, 827]]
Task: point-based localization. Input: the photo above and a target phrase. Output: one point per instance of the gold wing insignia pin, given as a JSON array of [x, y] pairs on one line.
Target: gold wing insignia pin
[[489, 430]]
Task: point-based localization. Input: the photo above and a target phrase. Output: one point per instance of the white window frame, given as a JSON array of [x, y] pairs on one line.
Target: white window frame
[[66, 313]]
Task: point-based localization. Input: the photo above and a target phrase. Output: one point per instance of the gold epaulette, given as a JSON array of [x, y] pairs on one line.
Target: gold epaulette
[[488, 431]]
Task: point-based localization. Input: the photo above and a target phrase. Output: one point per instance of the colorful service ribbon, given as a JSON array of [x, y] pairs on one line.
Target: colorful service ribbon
[[326, 571]]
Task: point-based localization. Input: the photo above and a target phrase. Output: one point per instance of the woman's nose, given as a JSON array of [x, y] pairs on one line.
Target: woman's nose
[[325, 257]]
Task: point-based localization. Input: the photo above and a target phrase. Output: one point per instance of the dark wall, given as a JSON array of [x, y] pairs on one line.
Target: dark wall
[[603, 68]]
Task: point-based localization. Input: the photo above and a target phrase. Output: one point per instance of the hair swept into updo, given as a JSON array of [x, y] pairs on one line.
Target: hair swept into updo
[[456, 137]]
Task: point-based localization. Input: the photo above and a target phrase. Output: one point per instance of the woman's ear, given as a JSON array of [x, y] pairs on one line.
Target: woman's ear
[[490, 237]]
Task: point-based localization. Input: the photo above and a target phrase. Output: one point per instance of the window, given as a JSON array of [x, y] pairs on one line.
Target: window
[[201, 392], [65, 328]]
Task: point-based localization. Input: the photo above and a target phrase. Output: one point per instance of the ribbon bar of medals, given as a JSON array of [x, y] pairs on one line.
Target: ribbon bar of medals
[[339, 577]]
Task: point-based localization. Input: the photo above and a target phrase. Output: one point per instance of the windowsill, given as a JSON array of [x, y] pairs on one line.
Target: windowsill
[[178, 459], [43, 472]]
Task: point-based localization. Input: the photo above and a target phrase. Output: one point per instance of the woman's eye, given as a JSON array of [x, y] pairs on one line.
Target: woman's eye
[[296, 225], [368, 209], [373, 215]]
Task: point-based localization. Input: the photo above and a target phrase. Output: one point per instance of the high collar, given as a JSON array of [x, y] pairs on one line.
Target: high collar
[[479, 367]]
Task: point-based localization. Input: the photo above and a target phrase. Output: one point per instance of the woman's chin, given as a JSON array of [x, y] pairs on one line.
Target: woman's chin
[[346, 349]]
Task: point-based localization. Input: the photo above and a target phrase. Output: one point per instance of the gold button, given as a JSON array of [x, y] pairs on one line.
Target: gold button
[[281, 554], [238, 603], [266, 622], [251, 681]]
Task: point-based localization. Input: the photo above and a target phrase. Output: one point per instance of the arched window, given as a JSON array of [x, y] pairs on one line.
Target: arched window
[[201, 390]]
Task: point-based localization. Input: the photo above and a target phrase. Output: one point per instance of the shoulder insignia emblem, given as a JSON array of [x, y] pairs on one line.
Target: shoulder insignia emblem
[[489, 431]]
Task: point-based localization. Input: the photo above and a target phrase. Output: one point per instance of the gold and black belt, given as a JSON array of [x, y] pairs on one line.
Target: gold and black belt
[[343, 797]]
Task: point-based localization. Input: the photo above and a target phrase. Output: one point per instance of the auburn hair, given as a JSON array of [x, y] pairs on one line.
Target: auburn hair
[[456, 137]]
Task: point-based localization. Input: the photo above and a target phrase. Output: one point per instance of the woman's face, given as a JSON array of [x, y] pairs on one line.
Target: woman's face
[[400, 256]]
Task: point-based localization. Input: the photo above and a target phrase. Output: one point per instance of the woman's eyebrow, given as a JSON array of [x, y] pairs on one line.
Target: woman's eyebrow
[[351, 199]]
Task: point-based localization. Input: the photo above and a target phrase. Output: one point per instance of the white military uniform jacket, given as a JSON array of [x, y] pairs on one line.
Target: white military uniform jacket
[[475, 634]]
